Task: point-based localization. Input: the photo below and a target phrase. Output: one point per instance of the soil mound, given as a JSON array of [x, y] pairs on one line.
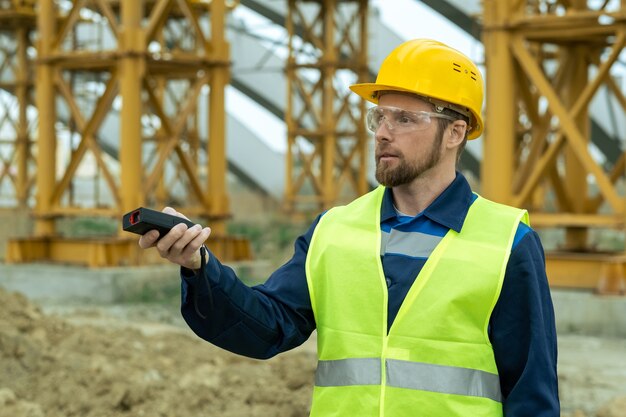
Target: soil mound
[[49, 368]]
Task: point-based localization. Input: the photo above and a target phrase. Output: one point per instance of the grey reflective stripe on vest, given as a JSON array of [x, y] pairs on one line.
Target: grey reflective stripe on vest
[[343, 372], [414, 244], [446, 379], [409, 375]]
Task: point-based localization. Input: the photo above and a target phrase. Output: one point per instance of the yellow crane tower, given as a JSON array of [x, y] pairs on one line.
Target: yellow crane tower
[[545, 62], [327, 45], [18, 23], [143, 60]]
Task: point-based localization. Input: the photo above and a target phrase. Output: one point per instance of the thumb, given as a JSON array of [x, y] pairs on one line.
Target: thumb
[[171, 211]]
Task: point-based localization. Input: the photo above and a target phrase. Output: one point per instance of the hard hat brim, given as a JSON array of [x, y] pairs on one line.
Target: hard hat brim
[[368, 90]]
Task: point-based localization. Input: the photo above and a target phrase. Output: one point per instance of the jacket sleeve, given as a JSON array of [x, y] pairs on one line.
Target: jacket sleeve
[[523, 335], [259, 321]]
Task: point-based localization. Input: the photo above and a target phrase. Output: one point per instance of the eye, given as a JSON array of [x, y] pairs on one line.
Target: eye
[[406, 118]]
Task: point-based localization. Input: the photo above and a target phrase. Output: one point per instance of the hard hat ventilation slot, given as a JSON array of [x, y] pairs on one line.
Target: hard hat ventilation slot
[[456, 67], [473, 76]]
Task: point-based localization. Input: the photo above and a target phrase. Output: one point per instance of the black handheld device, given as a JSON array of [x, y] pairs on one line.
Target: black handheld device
[[142, 220]]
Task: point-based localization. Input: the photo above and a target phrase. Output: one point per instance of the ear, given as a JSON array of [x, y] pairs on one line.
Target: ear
[[456, 133]]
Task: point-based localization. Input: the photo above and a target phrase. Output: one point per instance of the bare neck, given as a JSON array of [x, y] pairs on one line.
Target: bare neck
[[415, 197]]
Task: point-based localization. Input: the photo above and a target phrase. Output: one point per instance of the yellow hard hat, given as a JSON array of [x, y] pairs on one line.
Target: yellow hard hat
[[428, 68]]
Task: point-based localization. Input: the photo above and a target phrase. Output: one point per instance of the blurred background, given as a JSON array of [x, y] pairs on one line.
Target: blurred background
[[238, 114]]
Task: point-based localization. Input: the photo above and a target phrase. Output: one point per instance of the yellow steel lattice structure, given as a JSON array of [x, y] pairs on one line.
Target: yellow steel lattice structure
[[327, 142], [546, 60], [17, 23], [139, 67]]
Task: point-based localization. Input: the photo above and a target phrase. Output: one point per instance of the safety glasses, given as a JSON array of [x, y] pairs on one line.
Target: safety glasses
[[399, 120]]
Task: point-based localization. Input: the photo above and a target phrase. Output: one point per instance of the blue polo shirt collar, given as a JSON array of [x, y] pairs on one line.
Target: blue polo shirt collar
[[449, 208]]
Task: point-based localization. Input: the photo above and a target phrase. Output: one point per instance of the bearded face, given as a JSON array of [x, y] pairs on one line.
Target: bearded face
[[394, 169]]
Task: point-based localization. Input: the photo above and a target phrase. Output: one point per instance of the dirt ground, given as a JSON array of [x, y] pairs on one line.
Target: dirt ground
[[142, 361], [50, 366]]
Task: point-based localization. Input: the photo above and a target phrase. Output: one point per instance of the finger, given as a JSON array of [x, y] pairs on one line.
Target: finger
[[148, 239], [169, 210], [164, 244], [195, 244], [191, 255], [179, 246]]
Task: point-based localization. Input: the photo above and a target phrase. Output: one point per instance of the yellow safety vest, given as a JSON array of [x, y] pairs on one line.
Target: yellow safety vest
[[436, 359]]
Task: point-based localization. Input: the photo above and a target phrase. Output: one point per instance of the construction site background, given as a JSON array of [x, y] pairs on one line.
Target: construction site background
[[109, 341]]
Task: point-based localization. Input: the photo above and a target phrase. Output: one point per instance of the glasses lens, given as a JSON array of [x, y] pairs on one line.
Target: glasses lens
[[397, 120], [373, 119]]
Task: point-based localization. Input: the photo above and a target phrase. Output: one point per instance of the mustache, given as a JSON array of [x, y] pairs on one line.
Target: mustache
[[386, 150]]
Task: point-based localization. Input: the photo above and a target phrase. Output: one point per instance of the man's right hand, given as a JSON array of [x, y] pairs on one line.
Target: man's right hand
[[181, 245]]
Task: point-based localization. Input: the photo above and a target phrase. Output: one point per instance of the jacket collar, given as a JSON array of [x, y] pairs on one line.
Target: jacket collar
[[449, 209]]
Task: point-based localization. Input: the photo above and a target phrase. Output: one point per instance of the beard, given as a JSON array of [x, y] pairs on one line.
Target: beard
[[405, 171]]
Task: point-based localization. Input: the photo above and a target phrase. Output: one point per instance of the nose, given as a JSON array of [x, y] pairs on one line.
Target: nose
[[384, 130]]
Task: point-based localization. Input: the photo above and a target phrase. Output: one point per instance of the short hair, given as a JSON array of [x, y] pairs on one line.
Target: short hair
[[442, 124]]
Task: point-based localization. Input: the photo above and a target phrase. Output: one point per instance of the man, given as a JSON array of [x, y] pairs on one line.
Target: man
[[428, 300]]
